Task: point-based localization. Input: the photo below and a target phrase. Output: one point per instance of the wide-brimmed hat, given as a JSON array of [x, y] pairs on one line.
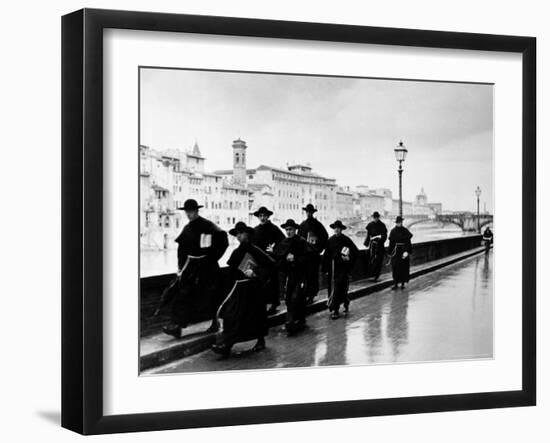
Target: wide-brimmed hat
[[338, 224], [263, 210], [398, 219], [241, 227], [190, 205], [290, 224], [376, 214], [309, 208]]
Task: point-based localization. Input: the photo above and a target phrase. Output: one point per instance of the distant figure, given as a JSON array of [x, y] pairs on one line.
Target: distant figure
[[200, 245], [487, 239], [266, 237], [338, 260], [400, 249], [243, 312], [313, 231], [377, 233], [292, 255]]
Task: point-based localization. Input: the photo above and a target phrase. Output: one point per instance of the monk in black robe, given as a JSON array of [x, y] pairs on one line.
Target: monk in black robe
[[377, 233], [487, 239], [338, 260], [313, 231], [400, 250], [200, 245], [243, 312], [266, 237], [292, 255]]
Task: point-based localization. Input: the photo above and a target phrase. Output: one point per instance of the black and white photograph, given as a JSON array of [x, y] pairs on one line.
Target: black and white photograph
[[298, 221], [275, 221]]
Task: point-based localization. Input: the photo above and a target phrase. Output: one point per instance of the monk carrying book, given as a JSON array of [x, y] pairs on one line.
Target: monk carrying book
[[243, 312]]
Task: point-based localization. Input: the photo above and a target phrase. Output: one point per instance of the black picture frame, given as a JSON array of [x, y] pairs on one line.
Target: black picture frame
[[82, 218]]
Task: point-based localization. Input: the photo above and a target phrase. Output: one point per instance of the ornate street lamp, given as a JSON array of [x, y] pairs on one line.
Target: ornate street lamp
[[478, 193], [400, 155]]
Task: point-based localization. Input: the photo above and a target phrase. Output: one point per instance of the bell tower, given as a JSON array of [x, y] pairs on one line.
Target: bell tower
[[422, 198], [239, 162]]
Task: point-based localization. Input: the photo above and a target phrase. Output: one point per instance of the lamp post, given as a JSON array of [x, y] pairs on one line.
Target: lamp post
[[400, 154], [478, 193]]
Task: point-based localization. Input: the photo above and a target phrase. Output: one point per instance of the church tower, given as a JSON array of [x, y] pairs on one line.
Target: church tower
[[239, 162], [422, 198], [194, 159]]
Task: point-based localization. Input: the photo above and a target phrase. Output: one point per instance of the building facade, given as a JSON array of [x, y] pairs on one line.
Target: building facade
[[407, 208], [345, 206], [421, 207], [288, 190], [388, 199], [366, 203], [169, 177]]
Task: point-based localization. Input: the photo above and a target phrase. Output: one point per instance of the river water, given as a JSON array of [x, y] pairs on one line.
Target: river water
[[165, 261]]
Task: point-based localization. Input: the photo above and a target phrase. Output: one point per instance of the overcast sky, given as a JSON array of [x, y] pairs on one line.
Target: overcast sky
[[346, 128]]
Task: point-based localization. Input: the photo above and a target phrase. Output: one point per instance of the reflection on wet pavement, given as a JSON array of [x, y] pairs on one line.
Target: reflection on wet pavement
[[444, 315]]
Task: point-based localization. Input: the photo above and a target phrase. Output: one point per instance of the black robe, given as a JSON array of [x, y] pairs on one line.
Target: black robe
[[338, 269], [488, 235], [243, 311], [265, 235], [294, 275], [189, 241], [400, 242], [199, 272], [376, 246], [313, 231]]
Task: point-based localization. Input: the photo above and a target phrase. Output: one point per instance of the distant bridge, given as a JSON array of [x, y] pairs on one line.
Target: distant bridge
[[467, 221]]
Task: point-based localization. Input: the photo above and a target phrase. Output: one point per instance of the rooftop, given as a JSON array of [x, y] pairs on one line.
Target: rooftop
[[158, 188], [230, 171], [295, 173], [196, 150], [304, 168], [258, 186], [240, 143]]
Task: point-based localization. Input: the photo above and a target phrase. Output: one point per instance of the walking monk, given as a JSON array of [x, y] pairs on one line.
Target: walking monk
[[243, 312], [377, 233], [200, 245], [338, 260], [400, 249], [266, 237], [292, 255], [316, 235]]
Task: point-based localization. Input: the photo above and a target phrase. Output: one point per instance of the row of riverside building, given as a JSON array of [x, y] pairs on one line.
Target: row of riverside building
[[169, 177]]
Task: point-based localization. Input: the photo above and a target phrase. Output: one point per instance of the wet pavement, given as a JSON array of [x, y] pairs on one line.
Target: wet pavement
[[444, 315]]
